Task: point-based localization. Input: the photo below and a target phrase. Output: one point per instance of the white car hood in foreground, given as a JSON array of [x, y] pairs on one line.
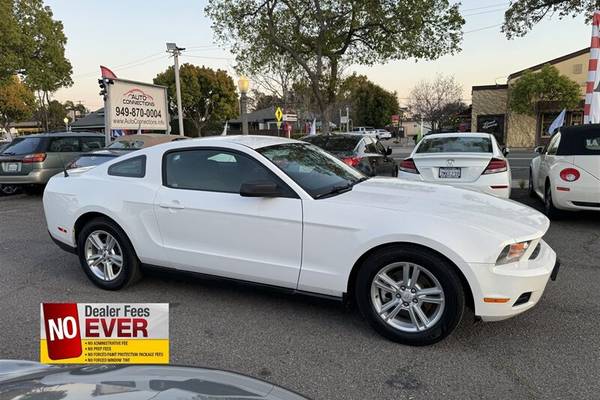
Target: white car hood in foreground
[[504, 219]]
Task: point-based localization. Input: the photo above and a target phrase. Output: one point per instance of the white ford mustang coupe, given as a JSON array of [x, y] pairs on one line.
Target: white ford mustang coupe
[[284, 213]]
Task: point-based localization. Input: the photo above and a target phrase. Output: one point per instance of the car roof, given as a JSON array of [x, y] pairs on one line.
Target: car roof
[[456, 134], [61, 134], [251, 141]]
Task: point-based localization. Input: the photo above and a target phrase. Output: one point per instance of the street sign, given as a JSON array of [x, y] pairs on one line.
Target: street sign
[[290, 117], [278, 115], [344, 119], [136, 105]]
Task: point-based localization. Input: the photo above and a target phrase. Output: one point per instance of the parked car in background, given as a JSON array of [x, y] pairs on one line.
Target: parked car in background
[[286, 213], [466, 160], [363, 130], [382, 133], [30, 161], [122, 145], [141, 141], [364, 153], [566, 174], [7, 190]]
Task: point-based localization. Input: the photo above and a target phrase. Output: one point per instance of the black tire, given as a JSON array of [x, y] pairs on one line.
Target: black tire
[[395, 173], [440, 268], [8, 190], [549, 209], [530, 190], [130, 272]]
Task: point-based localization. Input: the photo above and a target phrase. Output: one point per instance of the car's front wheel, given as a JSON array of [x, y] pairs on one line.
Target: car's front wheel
[[410, 295], [530, 188], [106, 255]]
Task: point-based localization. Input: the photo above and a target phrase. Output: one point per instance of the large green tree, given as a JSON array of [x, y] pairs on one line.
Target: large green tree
[[320, 38], [42, 44], [522, 15], [10, 43], [369, 103], [207, 95], [17, 102], [547, 85]]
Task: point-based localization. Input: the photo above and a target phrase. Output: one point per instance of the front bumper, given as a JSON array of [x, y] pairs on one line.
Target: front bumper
[[35, 177], [522, 283]]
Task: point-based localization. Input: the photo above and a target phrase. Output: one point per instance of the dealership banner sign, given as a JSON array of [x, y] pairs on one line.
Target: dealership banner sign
[[104, 333], [136, 105]]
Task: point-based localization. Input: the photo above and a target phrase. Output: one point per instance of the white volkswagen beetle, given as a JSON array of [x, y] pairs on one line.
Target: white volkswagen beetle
[[566, 174], [285, 213]]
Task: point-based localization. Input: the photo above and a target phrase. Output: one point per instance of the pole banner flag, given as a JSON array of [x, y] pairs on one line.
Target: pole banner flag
[[558, 122], [591, 109]]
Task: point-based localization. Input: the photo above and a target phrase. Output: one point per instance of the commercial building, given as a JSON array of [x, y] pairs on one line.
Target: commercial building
[[491, 112]]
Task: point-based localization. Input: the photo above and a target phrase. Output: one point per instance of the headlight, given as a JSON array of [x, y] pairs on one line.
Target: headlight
[[512, 253]]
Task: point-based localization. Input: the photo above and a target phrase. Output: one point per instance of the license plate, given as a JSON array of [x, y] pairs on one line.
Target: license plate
[[11, 167], [451, 173]]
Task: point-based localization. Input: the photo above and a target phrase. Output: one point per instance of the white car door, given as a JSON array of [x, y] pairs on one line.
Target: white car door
[[208, 227]]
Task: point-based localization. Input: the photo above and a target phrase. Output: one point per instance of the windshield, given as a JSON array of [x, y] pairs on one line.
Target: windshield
[[317, 172], [126, 145], [455, 144], [91, 160], [21, 146]]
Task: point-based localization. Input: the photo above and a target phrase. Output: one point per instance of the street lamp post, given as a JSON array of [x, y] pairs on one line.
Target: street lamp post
[[66, 121], [176, 51], [244, 85]]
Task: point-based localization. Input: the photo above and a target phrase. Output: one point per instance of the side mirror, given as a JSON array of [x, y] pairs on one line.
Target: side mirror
[[539, 149], [505, 151], [260, 189], [388, 151]]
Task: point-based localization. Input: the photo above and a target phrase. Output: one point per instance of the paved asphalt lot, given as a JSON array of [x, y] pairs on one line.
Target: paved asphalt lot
[[319, 347]]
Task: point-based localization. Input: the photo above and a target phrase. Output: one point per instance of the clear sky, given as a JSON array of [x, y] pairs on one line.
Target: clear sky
[[130, 36]]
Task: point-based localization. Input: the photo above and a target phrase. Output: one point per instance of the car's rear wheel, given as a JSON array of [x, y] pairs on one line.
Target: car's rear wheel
[[549, 209], [410, 295], [8, 190], [106, 255]]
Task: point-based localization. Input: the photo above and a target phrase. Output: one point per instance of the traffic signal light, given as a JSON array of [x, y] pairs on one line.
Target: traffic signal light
[[103, 82]]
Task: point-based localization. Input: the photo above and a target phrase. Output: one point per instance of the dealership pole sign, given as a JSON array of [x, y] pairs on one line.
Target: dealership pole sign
[[135, 106]]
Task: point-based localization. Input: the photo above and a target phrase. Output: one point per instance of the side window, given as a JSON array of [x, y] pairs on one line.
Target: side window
[[91, 143], [64, 145], [214, 170], [370, 146], [380, 148], [553, 145], [131, 168]]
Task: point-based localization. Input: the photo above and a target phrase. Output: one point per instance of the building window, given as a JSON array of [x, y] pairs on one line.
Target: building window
[[577, 69], [546, 120], [576, 118]]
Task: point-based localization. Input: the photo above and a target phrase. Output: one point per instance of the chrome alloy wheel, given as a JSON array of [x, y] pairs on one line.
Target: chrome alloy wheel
[[103, 255], [407, 297]]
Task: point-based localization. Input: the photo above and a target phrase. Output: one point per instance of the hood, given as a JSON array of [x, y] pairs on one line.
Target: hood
[[137, 382], [505, 219]]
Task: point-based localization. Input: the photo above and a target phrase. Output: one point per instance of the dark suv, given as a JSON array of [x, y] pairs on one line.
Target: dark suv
[[32, 160]]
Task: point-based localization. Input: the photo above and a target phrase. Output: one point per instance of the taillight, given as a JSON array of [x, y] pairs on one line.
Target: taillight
[[351, 161], [569, 174], [408, 165], [495, 166], [33, 158]]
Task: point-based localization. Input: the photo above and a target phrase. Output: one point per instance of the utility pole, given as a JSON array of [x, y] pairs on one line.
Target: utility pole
[[176, 51]]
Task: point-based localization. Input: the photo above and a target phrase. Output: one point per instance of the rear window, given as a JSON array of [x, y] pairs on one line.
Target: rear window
[[91, 160], [21, 146], [455, 145], [579, 141], [335, 144], [126, 145]]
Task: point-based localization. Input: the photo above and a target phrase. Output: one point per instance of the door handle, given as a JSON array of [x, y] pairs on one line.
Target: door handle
[[174, 205]]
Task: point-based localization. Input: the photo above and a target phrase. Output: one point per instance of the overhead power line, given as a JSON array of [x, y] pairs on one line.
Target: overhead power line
[[485, 7], [482, 28]]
